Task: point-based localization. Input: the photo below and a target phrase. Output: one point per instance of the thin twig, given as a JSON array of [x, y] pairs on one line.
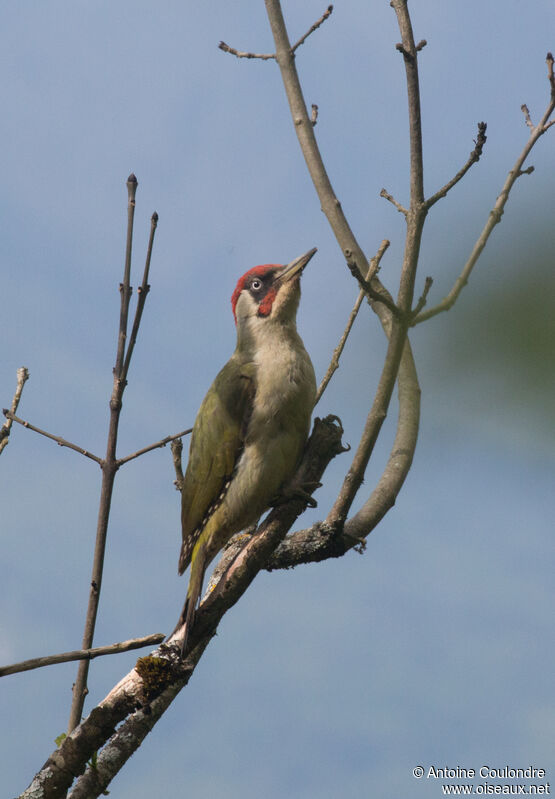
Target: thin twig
[[177, 449], [109, 469], [385, 194], [161, 443], [143, 290], [550, 75], [240, 54], [22, 377], [472, 159], [267, 56], [312, 28], [125, 289], [82, 654], [496, 213], [366, 285], [321, 542], [527, 117], [334, 364], [376, 260], [62, 442], [422, 301]]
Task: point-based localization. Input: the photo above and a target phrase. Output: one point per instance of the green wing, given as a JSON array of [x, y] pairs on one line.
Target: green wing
[[216, 444]]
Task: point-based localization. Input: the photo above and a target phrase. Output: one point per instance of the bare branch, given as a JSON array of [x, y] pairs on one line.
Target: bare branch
[[109, 469], [393, 201], [125, 288], [422, 301], [354, 256], [334, 364], [307, 140], [144, 288], [177, 449], [82, 654], [497, 211], [161, 443], [22, 377], [239, 54], [62, 442], [312, 28], [472, 159], [550, 75], [416, 215], [142, 697], [409, 51], [526, 112], [374, 293], [321, 542], [376, 260]]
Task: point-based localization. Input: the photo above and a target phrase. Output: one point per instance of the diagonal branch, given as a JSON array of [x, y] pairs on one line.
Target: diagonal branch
[[423, 297], [143, 290], [62, 442], [334, 364], [142, 696], [389, 197], [162, 443], [472, 159], [322, 541], [270, 56], [81, 654], [497, 211], [312, 28]]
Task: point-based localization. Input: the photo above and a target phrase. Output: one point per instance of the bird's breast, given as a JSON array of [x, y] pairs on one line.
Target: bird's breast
[[285, 385]]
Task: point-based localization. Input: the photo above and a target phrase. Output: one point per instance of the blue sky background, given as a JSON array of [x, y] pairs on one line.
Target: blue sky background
[[434, 648]]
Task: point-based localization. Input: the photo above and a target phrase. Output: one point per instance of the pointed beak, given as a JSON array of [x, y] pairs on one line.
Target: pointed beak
[[289, 271]]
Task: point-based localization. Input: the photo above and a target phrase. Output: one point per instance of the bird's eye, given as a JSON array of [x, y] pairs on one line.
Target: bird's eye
[[256, 284]]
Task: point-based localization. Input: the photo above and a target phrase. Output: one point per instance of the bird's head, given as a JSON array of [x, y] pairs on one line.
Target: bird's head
[[269, 292]]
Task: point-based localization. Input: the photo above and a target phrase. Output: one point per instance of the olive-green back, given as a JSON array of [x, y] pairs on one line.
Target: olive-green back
[[216, 445]]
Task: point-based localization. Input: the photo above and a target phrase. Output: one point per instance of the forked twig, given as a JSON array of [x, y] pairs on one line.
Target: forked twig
[[143, 290], [62, 442], [269, 56], [497, 211], [109, 463]]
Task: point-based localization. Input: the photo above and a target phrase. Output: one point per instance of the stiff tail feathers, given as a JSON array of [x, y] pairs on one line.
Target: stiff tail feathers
[[198, 567]]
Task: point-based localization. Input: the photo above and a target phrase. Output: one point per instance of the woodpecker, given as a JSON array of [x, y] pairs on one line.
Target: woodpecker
[[252, 425]]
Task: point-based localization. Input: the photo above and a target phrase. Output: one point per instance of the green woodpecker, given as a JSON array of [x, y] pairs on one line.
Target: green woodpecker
[[253, 424]]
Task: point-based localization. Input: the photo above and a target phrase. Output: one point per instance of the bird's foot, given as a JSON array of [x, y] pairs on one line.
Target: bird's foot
[[297, 492]]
